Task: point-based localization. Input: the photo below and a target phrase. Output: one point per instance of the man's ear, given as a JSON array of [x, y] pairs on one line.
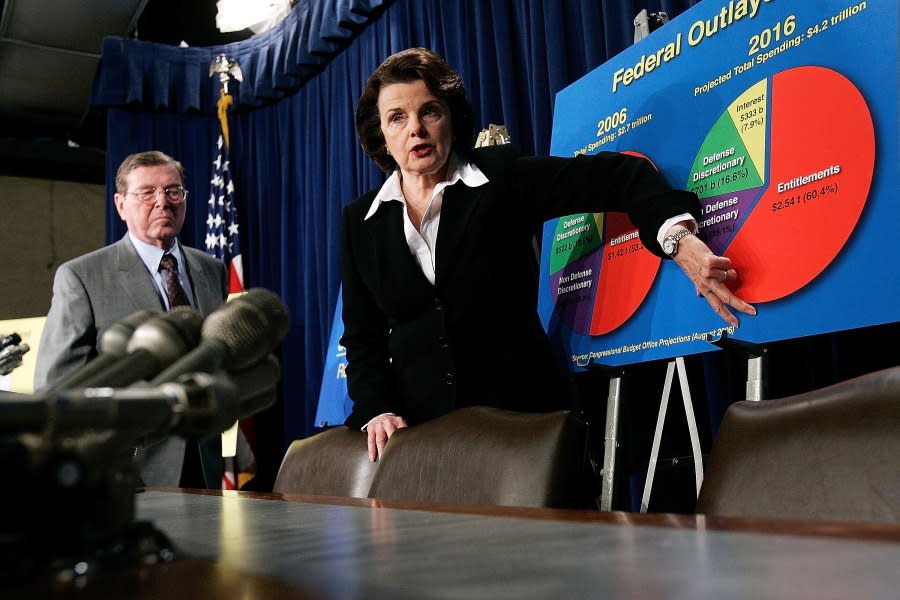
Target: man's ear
[[119, 201]]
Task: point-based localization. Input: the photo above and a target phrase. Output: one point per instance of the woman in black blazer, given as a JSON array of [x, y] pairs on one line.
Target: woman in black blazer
[[439, 284]]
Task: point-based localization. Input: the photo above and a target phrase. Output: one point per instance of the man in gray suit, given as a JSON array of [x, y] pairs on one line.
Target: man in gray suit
[[98, 289]]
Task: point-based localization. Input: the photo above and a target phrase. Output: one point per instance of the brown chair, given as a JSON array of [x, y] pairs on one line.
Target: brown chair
[[831, 454], [334, 462], [481, 455]]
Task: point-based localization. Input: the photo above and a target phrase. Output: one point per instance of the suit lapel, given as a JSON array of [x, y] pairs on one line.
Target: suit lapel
[[399, 269], [457, 209], [208, 297]]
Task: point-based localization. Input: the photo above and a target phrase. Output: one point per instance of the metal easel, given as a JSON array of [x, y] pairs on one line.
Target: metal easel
[[757, 356], [611, 437], [755, 390], [646, 22]]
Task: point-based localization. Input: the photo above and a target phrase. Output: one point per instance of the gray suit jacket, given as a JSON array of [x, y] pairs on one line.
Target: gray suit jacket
[[98, 289]]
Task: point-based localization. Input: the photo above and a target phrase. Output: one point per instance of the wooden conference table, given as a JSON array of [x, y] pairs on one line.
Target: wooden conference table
[[247, 546]]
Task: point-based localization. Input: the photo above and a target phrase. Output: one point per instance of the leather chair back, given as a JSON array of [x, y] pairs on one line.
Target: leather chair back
[[334, 462], [482, 455], [831, 454]]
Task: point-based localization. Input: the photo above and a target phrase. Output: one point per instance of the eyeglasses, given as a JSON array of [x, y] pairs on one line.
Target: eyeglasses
[[175, 194]]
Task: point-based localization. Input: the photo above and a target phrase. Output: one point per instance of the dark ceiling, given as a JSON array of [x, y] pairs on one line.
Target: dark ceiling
[[48, 54]]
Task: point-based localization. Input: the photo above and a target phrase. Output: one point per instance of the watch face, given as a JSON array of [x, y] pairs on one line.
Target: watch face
[[668, 245]]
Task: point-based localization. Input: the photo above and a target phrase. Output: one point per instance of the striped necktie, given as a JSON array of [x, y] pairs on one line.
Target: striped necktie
[[168, 266]]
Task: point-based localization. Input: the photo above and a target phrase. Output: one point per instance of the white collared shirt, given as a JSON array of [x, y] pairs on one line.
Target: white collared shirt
[[151, 255], [422, 242]]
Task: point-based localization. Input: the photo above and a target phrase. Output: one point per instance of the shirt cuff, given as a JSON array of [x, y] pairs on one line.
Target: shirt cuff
[[366, 426]]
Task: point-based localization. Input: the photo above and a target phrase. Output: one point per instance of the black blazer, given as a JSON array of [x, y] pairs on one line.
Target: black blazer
[[474, 337]]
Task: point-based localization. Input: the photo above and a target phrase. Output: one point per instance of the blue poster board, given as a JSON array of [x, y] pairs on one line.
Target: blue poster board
[[334, 401], [783, 118]]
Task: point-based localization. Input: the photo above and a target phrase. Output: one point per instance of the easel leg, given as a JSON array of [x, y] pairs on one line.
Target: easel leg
[[610, 443], [692, 424], [657, 435], [660, 421], [756, 363], [756, 373]]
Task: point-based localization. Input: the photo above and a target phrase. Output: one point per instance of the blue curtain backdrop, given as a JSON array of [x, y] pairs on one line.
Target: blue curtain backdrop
[[296, 160], [295, 157]]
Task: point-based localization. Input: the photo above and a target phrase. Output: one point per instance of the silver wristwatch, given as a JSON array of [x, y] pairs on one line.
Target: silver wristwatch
[[670, 243]]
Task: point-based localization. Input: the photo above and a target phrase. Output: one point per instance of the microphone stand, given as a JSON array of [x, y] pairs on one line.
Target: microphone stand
[[71, 509]]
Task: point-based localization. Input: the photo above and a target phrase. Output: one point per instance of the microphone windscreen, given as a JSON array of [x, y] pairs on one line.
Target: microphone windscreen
[[156, 343], [115, 338], [113, 346], [170, 335], [250, 326]]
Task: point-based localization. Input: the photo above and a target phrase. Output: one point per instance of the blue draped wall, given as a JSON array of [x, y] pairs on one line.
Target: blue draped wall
[[295, 157], [296, 161]]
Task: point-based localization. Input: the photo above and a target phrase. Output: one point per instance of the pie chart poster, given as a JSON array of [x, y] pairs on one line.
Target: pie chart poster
[[783, 118]]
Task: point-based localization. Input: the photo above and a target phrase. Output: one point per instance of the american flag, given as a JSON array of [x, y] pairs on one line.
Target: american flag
[[223, 241], [222, 230]]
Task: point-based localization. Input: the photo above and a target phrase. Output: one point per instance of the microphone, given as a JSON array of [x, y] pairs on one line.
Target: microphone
[[12, 339], [256, 387], [197, 406], [155, 344], [11, 356], [234, 337], [253, 388], [113, 343]]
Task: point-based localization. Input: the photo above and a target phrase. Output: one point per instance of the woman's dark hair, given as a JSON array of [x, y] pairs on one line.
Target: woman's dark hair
[[406, 66]]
